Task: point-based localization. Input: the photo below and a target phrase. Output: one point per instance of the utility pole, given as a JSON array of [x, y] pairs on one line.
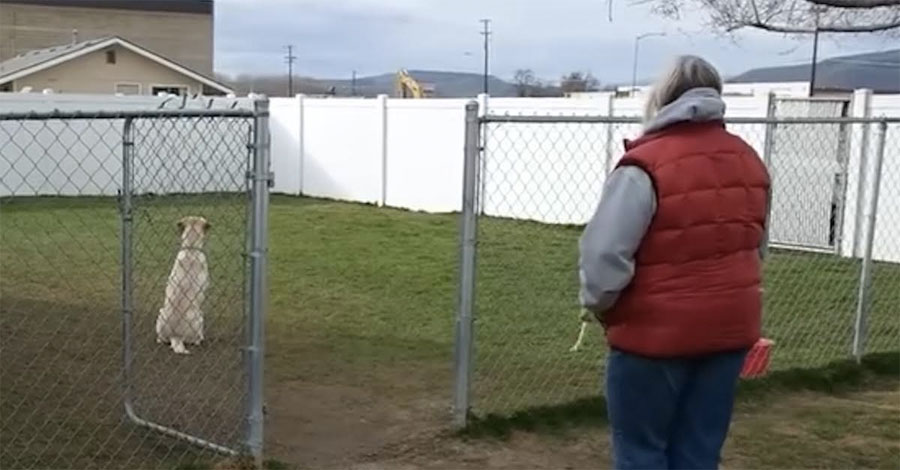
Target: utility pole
[[290, 58], [812, 71], [815, 58], [486, 32], [353, 84]]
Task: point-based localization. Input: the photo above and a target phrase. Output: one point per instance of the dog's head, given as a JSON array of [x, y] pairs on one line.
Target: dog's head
[[193, 231]]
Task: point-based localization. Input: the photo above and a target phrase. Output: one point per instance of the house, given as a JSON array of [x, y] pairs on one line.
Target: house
[[107, 66], [181, 30]]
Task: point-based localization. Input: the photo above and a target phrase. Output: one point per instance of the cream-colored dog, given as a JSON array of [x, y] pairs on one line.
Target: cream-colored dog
[[180, 319]]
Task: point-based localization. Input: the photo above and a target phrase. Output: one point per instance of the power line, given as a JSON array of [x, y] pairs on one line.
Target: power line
[[290, 58], [486, 32]]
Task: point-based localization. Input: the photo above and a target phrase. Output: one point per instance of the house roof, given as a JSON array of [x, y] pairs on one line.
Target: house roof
[[180, 6], [30, 62], [878, 71]]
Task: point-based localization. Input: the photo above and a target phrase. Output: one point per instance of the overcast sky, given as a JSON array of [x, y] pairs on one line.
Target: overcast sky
[[334, 37]]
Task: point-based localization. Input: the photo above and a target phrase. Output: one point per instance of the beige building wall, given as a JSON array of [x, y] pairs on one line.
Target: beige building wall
[[92, 74], [185, 38]]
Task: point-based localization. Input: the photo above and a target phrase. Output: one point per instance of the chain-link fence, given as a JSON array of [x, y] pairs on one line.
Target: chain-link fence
[[879, 320], [829, 293], [100, 259]]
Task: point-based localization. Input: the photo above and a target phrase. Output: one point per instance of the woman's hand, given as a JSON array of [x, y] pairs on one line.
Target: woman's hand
[[589, 317]]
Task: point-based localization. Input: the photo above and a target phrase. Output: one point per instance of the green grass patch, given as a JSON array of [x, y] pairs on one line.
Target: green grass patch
[[357, 295], [835, 378]]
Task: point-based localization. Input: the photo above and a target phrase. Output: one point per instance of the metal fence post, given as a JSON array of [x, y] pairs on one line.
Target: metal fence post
[[865, 277], [862, 165], [483, 100], [771, 126], [840, 191], [468, 232], [768, 149], [261, 179], [127, 260]]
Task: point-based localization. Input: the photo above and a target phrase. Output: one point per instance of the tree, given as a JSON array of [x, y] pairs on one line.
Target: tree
[[791, 16], [856, 3], [525, 82], [578, 82]]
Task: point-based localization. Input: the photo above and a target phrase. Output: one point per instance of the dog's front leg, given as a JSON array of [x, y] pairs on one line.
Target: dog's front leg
[[178, 346]]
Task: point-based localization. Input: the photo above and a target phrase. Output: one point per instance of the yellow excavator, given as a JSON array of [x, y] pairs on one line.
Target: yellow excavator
[[408, 87]]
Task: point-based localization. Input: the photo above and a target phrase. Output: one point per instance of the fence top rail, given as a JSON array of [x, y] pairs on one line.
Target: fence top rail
[[593, 119], [126, 114]]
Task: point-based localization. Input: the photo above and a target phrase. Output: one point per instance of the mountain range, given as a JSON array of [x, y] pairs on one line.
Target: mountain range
[[879, 71], [446, 84]]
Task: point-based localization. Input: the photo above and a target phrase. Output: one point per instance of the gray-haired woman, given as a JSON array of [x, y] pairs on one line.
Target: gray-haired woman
[[670, 263]]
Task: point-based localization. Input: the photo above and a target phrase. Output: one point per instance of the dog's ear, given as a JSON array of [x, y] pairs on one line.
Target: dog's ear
[[206, 226], [180, 225]]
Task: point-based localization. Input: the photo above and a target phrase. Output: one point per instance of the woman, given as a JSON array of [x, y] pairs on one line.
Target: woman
[[670, 264]]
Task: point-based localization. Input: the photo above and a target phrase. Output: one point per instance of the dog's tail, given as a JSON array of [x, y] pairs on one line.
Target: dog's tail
[[178, 346]]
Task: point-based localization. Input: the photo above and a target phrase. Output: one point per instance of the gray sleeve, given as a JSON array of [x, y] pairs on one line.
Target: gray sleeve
[[611, 238]]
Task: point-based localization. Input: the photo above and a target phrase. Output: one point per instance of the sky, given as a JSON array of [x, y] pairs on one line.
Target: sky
[[332, 38]]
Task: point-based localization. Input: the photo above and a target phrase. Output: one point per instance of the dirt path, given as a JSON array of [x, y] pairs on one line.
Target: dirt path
[[345, 427]]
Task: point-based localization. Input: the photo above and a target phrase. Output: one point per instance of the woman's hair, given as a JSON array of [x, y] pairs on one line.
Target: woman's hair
[[687, 71]]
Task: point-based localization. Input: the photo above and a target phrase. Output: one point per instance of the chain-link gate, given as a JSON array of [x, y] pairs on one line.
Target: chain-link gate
[[535, 182], [821, 159], [92, 223]]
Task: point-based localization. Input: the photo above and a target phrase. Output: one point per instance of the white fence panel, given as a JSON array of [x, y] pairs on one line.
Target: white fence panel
[[887, 230], [342, 142], [526, 160], [284, 126], [408, 153], [60, 158], [425, 140], [83, 157]]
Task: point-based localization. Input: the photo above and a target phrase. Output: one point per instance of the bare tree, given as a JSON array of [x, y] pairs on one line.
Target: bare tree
[[578, 82], [791, 16], [525, 82], [856, 3]]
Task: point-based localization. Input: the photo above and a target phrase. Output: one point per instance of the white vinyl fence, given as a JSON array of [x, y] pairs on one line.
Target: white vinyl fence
[[408, 154], [62, 157]]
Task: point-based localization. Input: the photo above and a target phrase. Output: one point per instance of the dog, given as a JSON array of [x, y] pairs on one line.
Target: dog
[[180, 320], [587, 317]]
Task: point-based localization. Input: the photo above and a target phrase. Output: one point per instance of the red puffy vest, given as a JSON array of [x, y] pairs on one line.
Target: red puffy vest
[[696, 286]]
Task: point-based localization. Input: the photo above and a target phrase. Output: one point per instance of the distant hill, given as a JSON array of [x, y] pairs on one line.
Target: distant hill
[[879, 71], [446, 84]]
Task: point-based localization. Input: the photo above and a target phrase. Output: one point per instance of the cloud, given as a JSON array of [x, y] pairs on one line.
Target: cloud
[[332, 38]]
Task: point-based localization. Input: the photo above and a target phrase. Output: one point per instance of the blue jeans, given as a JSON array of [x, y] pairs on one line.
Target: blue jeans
[[670, 413]]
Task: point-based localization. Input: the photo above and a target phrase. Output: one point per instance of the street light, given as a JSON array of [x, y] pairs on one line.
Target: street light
[[637, 41]]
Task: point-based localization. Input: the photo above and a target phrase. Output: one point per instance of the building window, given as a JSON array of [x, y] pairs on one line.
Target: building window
[[110, 57], [6, 87], [179, 90], [128, 88]]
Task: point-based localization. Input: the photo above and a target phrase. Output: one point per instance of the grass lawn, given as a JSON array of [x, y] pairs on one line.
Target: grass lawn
[[359, 331]]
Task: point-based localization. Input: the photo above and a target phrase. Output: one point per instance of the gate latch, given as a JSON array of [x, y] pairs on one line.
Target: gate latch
[[269, 178]]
